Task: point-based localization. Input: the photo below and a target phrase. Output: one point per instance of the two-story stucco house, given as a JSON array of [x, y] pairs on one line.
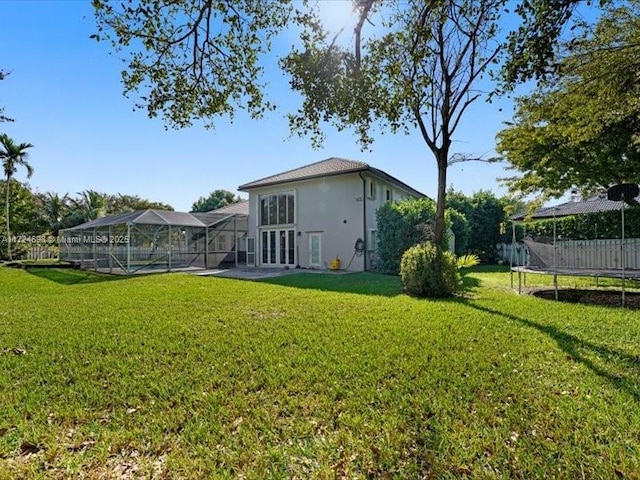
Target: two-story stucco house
[[309, 216]]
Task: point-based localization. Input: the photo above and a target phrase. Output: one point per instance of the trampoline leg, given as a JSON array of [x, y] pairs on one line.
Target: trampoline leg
[[519, 282]]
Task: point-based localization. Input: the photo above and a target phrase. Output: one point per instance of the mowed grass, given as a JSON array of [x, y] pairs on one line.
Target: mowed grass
[[310, 376]]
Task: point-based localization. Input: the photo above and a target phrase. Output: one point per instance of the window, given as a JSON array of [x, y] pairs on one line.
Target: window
[[222, 243], [388, 194], [277, 209], [372, 189], [372, 246]]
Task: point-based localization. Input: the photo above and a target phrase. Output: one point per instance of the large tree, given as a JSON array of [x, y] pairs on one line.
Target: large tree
[[216, 199], [129, 203], [54, 209], [12, 156], [89, 205], [582, 127], [420, 73]]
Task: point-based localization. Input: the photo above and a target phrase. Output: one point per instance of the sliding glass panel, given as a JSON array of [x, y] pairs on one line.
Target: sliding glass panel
[[283, 247], [272, 246], [291, 247], [265, 247]]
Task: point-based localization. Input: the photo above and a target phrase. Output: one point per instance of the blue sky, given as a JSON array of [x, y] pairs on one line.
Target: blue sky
[[65, 93]]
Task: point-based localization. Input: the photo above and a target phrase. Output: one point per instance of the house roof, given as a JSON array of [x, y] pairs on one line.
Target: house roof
[[214, 216], [325, 168], [592, 205], [238, 208]]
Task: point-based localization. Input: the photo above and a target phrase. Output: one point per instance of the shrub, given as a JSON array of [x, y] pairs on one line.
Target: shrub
[[401, 225], [428, 271]]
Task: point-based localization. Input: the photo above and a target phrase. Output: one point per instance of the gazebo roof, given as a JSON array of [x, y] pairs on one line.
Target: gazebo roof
[[591, 205]]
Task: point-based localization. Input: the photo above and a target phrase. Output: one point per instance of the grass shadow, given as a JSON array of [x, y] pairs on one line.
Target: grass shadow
[[362, 283], [579, 349], [73, 277]]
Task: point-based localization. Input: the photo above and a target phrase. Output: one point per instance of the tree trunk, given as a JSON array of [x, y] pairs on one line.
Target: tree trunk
[[438, 234], [6, 210]]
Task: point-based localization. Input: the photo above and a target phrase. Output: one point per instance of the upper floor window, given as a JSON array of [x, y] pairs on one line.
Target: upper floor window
[[388, 194], [277, 209], [372, 189]]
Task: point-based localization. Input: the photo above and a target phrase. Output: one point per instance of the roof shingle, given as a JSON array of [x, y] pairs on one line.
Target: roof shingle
[[323, 168]]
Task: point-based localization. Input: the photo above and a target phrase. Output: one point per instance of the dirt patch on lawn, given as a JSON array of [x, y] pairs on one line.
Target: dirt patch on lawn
[[605, 298]]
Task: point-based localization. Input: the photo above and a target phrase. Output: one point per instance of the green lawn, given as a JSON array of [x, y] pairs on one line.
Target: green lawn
[[310, 376]]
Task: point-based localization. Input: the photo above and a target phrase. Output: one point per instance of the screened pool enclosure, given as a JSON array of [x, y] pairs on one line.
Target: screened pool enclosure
[[155, 240]]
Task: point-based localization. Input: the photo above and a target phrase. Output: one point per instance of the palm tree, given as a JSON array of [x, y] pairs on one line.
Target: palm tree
[[54, 208], [12, 156], [90, 205]]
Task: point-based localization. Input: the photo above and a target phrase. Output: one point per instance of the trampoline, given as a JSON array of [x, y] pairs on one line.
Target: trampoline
[[617, 258]]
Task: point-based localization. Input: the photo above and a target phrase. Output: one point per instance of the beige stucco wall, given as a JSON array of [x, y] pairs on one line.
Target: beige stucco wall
[[333, 207]]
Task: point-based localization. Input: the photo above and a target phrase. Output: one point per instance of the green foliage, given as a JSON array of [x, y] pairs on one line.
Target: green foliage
[[12, 156], [130, 203], [587, 227], [532, 57], [581, 128], [467, 261], [484, 213], [401, 225], [191, 60], [26, 221], [91, 204], [461, 228], [216, 199], [427, 271]]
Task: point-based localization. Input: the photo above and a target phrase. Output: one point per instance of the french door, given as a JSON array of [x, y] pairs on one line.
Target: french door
[[278, 247]]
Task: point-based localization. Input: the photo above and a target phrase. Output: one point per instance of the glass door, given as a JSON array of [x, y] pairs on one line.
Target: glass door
[[315, 249], [278, 247]]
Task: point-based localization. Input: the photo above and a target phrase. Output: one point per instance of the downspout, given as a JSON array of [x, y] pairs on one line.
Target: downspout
[[364, 217]]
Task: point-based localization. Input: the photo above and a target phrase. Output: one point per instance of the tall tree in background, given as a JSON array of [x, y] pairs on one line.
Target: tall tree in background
[[582, 127], [90, 205], [55, 209], [216, 199], [484, 212], [129, 203], [26, 217], [12, 156]]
